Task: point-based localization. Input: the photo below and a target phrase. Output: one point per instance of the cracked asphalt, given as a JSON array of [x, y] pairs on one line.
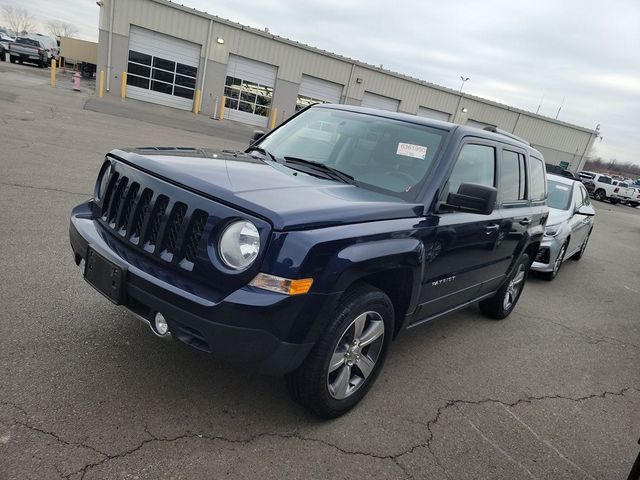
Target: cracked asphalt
[[86, 392]]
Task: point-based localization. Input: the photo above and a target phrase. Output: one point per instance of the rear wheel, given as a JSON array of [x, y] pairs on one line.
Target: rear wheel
[[12, 59], [600, 195], [504, 301], [347, 357], [614, 201], [556, 264]]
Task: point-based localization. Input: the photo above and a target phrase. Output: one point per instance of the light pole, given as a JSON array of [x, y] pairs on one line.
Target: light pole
[[464, 79]]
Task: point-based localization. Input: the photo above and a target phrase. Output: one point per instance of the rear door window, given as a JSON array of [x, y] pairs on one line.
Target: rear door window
[[513, 179], [538, 182]]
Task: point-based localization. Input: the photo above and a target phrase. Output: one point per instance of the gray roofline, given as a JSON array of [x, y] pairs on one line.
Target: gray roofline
[[402, 76]]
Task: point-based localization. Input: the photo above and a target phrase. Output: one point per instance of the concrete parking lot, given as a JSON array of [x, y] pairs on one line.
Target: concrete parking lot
[[88, 392]]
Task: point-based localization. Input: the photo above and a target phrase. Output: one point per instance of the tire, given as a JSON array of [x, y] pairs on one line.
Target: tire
[[40, 64], [578, 255], [557, 263], [504, 301], [614, 201], [331, 388], [12, 59], [600, 195]]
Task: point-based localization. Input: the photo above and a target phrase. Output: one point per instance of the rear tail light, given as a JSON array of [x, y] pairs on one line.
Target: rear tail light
[[616, 190]]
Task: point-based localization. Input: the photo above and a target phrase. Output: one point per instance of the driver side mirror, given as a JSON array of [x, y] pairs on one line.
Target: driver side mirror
[[586, 211], [257, 135], [473, 198]]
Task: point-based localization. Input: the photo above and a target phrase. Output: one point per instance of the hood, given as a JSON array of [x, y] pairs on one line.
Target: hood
[[288, 199], [558, 216]]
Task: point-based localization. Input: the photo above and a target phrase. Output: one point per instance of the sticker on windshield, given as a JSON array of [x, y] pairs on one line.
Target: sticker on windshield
[[409, 150], [562, 187]]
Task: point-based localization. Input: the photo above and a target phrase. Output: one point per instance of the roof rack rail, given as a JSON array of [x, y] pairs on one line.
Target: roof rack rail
[[506, 134]]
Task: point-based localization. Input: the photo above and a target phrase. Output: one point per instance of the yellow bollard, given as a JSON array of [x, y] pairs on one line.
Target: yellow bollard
[[53, 72], [123, 85], [196, 101], [199, 101], [274, 116], [101, 84], [221, 116]]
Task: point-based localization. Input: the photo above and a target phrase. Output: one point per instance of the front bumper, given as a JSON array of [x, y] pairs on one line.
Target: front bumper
[[547, 254], [245, 326]]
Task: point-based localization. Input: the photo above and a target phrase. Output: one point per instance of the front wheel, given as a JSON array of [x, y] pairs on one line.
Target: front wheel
[[504, 301], [348, 356], [580, 253], [556, 264]]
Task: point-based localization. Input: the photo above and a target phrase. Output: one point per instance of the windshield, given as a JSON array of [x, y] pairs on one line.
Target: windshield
[[559, 195], [379, 153]]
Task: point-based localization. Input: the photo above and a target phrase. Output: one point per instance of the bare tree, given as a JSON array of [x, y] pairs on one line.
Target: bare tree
[[61, 29], [19, 19]]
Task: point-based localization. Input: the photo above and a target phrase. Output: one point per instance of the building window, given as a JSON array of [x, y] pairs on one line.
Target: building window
[[303, 102], [161, 75], [248, 97]]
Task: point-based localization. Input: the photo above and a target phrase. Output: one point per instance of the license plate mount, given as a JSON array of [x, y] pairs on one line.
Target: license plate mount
[[105, 276]]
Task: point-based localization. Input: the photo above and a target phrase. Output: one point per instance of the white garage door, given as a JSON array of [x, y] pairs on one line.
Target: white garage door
[[372, 100], [161, 69], [315, 90], [431, 113], [248, 90]]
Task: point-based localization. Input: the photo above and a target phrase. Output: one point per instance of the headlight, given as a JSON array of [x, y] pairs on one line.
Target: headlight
[[103, 181], [553, 230], [239, 244]]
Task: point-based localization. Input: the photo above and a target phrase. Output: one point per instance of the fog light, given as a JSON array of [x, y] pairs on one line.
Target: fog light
[[161, 324]]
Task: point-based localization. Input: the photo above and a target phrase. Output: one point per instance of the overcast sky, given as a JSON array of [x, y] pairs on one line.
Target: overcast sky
[[514, 51]]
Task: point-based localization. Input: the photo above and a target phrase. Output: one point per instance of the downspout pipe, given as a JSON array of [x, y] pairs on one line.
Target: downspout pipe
[[111, 8], [348, 86], [207, 51]]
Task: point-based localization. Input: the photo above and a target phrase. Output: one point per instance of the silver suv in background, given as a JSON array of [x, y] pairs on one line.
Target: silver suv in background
[[571, 218]]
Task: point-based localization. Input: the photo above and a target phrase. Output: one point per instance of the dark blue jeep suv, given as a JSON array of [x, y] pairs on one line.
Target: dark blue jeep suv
[[308, 253]]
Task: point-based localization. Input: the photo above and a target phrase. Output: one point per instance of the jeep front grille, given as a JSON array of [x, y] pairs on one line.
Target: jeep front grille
[[168, 230]]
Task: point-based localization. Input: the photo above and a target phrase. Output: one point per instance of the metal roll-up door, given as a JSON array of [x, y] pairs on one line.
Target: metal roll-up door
[[162, 69], [431, 113], [248, 90], [315, 90], [373, 100]]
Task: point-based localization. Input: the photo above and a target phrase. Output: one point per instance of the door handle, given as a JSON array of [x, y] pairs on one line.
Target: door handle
[[489, 229], [525, 221]]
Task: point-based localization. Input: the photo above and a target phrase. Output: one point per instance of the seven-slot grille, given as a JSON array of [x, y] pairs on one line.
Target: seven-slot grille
[[164, 229]]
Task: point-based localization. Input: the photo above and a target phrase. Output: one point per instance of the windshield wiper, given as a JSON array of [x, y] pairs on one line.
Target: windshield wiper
[[321, 167], [263, 152]]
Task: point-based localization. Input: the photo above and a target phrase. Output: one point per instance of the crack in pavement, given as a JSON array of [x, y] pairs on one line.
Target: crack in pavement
[[45, 189], [295, 435], [27, 424], [454, 403], [591, 340]]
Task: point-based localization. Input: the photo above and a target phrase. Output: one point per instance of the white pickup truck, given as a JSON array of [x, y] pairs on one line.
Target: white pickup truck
[[606, 188], [634, 201]]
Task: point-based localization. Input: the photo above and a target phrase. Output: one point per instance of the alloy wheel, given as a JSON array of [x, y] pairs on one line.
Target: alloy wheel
[[559, 259], [355, 355], [515, 285]]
